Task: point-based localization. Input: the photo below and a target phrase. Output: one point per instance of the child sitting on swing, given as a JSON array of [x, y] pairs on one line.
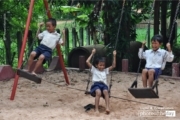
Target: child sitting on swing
[[50, 38], [156, 59], [99, 79]]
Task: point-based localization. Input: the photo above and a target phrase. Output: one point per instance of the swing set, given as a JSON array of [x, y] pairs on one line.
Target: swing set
[[136, 92], [20, 62]]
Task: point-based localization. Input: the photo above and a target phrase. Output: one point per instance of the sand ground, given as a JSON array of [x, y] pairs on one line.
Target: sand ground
[[53, 100]]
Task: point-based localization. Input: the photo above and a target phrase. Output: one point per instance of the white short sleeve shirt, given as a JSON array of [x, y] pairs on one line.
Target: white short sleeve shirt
[[50, 39], [156, 59], [99, 76]]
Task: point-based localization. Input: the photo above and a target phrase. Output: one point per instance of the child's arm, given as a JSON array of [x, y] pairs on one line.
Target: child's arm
[[114, 61], [39, 29], [141, 54], [89, 58], [170, 56]]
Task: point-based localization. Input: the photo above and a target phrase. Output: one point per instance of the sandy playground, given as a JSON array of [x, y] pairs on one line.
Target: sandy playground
[[53, 100]]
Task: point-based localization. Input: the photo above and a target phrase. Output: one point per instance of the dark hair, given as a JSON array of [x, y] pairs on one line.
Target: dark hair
[[53, 21], [158, 38], [97, 60]]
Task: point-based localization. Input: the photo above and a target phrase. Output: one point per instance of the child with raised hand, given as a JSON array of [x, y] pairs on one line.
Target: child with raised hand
[[99, 79], [49, 39], [156, 59]]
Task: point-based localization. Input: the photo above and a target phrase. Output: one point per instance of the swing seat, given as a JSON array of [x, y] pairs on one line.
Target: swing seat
[[29, 76], [143, 92]]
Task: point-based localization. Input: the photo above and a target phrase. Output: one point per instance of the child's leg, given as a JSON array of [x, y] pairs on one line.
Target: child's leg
[[106, 97], [39, 63], [144, 77], [31, 59], [97, 99], [151, 73]]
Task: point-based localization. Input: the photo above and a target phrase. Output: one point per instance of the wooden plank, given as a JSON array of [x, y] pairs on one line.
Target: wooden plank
[[143, 93], [29, 76]]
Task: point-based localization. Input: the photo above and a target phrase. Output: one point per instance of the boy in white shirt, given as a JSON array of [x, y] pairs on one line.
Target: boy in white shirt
[[50, 38], [156, 59], [99, 79]]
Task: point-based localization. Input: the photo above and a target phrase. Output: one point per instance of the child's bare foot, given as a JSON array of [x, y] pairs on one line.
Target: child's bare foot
[[96, 112], [34, 73], [107, 111]]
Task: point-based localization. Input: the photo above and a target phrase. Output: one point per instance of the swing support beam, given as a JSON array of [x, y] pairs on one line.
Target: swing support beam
[[24, 45]]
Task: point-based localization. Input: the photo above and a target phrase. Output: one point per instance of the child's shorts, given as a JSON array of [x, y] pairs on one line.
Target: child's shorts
[[157, 72], [42, 49], [98, 85]]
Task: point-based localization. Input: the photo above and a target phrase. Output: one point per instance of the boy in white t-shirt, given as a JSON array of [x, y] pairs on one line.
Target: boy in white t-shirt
[[50, 38], [99, 79]]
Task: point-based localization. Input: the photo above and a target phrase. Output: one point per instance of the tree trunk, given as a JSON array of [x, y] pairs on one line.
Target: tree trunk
[[156, 17], [163, 22], [106, 20], [7, 44]]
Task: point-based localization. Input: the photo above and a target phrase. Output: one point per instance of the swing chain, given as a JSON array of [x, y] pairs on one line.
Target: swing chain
[[117, 36], [150, 17], [95, 41], [4, 26], [174, 21]]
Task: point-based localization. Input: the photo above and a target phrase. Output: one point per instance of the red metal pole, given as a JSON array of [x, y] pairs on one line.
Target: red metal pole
[[58, 46], [22, 48], [47, 9]]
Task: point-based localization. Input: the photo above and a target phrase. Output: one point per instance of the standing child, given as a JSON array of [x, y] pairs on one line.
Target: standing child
[[99, 79], [50, 38], [156, 59]]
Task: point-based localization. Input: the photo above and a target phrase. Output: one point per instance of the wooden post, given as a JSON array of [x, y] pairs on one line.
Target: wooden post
[[175, 70], [77, 38], [8, 48], [74, 37], [82, 63], [88, 36], [156, 17], [124, 65], [149, 34], [66, 43], [19, 42], [30, 42], [81, 36]]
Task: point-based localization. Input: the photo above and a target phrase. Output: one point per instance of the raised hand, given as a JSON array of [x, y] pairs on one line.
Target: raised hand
[[114, 53], [41, 24], [168, 45], [93, 51], [144, 42]]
